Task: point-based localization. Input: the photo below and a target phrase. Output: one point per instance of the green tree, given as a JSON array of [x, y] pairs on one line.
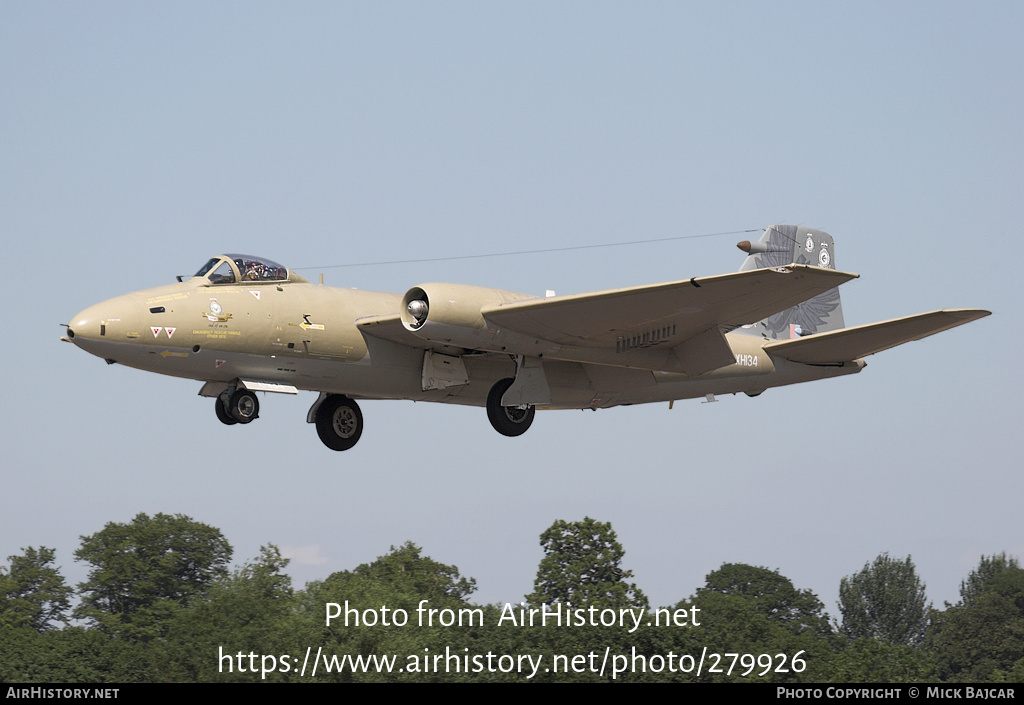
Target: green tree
[[70, 655], [885, 600], [398, 581], [406, 569], [979, 578], [874, 661], [772, 594], [731, 623], [252, 610], [144, 570], [582, 566], [745, 609], [982, 638], [32, 592]]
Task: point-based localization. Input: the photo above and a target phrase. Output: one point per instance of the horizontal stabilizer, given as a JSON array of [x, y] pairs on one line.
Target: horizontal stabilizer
[[852, 343]]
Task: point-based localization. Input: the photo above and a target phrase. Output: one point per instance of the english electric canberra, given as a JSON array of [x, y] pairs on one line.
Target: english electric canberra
[[245, 324]]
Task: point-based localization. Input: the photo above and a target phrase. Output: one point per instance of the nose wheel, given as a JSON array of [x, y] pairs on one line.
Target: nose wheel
[[242, 406], [222, 413]]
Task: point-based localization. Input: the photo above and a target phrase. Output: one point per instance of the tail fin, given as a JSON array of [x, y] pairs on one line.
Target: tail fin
[[794, 244]]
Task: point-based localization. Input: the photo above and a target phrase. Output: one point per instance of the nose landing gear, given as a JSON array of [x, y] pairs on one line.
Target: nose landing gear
[[241, 406]]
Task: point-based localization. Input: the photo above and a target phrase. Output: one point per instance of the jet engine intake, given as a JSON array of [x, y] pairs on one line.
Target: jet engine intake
[[450, 313]]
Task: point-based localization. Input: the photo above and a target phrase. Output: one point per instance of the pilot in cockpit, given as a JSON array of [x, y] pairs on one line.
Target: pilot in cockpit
[[249, 269]]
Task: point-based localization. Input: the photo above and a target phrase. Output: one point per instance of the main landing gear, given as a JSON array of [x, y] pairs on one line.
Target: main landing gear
[[240, 406], [508, 420], [339, 423]]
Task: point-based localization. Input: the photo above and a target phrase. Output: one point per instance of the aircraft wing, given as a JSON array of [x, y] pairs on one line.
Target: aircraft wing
[[688, 307], [390, 328], [675, 327], [860, 341]]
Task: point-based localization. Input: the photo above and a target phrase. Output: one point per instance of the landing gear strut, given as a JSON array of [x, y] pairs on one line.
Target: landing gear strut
[[507, 420], [339, 423]]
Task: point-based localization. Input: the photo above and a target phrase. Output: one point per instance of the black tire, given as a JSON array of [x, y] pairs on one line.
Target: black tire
[[243, 406], [507, 420], [339, 422], [222, 413]]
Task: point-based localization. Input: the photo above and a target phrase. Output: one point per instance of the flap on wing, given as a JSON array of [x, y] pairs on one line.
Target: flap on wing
[[704, 352], [673, 312], [852, 343]]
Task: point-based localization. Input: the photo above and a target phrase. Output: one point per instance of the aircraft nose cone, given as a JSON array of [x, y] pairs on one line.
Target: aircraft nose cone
[[81, 325], [90, 323], [111, 321]]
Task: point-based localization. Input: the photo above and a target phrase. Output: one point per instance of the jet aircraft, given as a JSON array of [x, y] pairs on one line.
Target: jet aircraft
[[244, 324]]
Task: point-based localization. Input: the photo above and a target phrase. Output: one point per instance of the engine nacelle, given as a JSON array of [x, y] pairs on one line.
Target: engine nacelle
[[450, 313]]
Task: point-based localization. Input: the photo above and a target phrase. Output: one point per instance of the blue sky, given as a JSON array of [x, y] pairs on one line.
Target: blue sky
[[137, 140]]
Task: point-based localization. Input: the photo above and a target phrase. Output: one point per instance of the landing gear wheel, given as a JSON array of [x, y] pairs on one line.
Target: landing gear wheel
[[507, 420], [222, 412], [339, 423], [243, 406]]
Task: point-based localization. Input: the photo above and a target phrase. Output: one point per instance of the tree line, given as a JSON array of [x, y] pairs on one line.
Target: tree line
[[161, 604]]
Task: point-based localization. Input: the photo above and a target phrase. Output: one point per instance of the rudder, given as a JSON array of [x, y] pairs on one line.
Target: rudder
[[779, 246]]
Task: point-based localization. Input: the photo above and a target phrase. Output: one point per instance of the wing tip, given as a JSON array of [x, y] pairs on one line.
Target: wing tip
[[964, 315]]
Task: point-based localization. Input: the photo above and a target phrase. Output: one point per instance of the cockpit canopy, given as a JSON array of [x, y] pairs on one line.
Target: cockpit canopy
[[234, 268]]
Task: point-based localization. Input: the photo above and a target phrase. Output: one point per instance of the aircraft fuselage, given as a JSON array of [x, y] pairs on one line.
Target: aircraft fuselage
[[304, 335], [244, 324]]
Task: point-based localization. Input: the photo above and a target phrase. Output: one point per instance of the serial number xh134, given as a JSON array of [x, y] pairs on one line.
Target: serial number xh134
[[245, 324]]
